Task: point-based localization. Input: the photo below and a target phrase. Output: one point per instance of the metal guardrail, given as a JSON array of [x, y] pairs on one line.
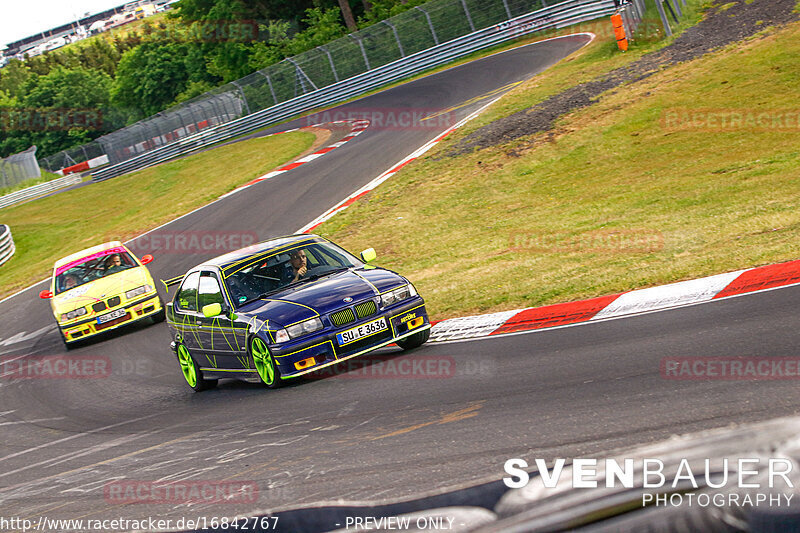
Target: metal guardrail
[[38, 190], [557, 16], [19, 167], [7, 248]]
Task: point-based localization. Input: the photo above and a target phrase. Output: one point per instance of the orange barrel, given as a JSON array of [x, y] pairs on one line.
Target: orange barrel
[[619, 31]]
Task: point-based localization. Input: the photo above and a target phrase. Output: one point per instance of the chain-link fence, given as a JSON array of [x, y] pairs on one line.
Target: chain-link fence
[[19, 167], [417, 29]]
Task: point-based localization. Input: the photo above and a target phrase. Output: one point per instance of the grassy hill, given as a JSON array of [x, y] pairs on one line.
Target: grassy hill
[[692, 171]]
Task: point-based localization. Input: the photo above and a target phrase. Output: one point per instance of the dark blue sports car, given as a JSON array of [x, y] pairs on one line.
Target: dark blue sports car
[[287, 307]]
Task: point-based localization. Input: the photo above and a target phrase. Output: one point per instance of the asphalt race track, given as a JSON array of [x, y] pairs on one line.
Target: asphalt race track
[[377, 432]]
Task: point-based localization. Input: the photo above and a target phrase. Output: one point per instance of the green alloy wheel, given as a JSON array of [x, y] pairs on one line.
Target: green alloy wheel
[[265, 364], [191, 372]]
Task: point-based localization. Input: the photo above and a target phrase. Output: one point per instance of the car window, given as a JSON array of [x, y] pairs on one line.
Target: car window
[[94, 267], [209, 292], [274, 272], [187, 295]]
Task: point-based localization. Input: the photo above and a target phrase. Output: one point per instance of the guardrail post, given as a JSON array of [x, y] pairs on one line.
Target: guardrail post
[[677, 8], [397, 37], [466, 12], [430, 24], [663, 15]]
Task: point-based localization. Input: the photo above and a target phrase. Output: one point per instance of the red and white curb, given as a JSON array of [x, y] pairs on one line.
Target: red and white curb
[[357, 127], [618, 305]]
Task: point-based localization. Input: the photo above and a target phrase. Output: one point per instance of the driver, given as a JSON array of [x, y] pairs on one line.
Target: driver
[[113, 264], [298, 262]]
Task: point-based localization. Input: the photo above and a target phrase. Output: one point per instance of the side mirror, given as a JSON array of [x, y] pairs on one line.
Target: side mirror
[[368, 255], [46, 295], [147, 259], [212, 310]]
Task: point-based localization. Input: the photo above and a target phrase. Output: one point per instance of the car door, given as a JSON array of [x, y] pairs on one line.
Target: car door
[[217, 334], [186, 315]]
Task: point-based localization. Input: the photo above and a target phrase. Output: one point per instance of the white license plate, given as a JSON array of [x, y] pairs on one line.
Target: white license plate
[[119, 313], [364, 330]]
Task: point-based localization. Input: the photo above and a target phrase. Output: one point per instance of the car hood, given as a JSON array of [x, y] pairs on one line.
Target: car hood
[[322, 296], [101, 289]]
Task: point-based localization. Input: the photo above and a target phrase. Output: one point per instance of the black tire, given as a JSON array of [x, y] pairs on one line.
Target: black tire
[[264, 363], [415, 341], [191, 371], [67, 345]]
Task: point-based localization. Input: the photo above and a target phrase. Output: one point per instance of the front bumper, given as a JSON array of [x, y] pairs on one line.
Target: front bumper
[[321, 350], [146, 306]]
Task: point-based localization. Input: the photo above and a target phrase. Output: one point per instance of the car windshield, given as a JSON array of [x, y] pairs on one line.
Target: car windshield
[[91, 268], [279, 271]]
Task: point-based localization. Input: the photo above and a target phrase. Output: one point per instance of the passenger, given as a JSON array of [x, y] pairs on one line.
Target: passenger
[[70, 281]]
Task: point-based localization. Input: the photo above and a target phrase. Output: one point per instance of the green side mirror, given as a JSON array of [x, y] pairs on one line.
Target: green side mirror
[[212, 310], [368, 255]]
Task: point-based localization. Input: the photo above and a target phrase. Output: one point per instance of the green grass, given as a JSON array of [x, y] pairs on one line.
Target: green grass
[[50, 228], [46, 176], [714, 200]]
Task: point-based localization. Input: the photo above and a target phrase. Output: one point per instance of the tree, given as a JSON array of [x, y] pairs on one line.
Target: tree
[[65, 108], [14, 77], [152, 75], [347, 14]]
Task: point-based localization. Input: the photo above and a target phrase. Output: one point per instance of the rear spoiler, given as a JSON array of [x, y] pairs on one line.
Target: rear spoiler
[[170, 282]]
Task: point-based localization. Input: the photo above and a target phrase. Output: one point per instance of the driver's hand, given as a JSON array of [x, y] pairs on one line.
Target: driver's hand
[[301, 271]]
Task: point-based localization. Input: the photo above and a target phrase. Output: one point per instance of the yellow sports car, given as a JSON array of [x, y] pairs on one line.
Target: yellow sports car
[[99, 289]]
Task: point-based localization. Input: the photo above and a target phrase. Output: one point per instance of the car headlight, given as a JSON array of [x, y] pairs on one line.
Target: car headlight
[[397, 295], [281, 336], [133, 293], [304, 328], [73, 314]]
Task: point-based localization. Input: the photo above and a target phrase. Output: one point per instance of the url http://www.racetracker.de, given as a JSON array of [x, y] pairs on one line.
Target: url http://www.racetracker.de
[[43, 523]]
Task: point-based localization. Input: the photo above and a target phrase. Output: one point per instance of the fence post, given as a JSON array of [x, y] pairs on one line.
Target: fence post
[[363, 52], [508, 11], [466, 12], [244, 98], [430, 24], [663, 15], [397, 37], [330, 60]]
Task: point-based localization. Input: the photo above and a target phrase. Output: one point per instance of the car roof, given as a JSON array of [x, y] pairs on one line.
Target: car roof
[[87, 252], [226, 261]]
